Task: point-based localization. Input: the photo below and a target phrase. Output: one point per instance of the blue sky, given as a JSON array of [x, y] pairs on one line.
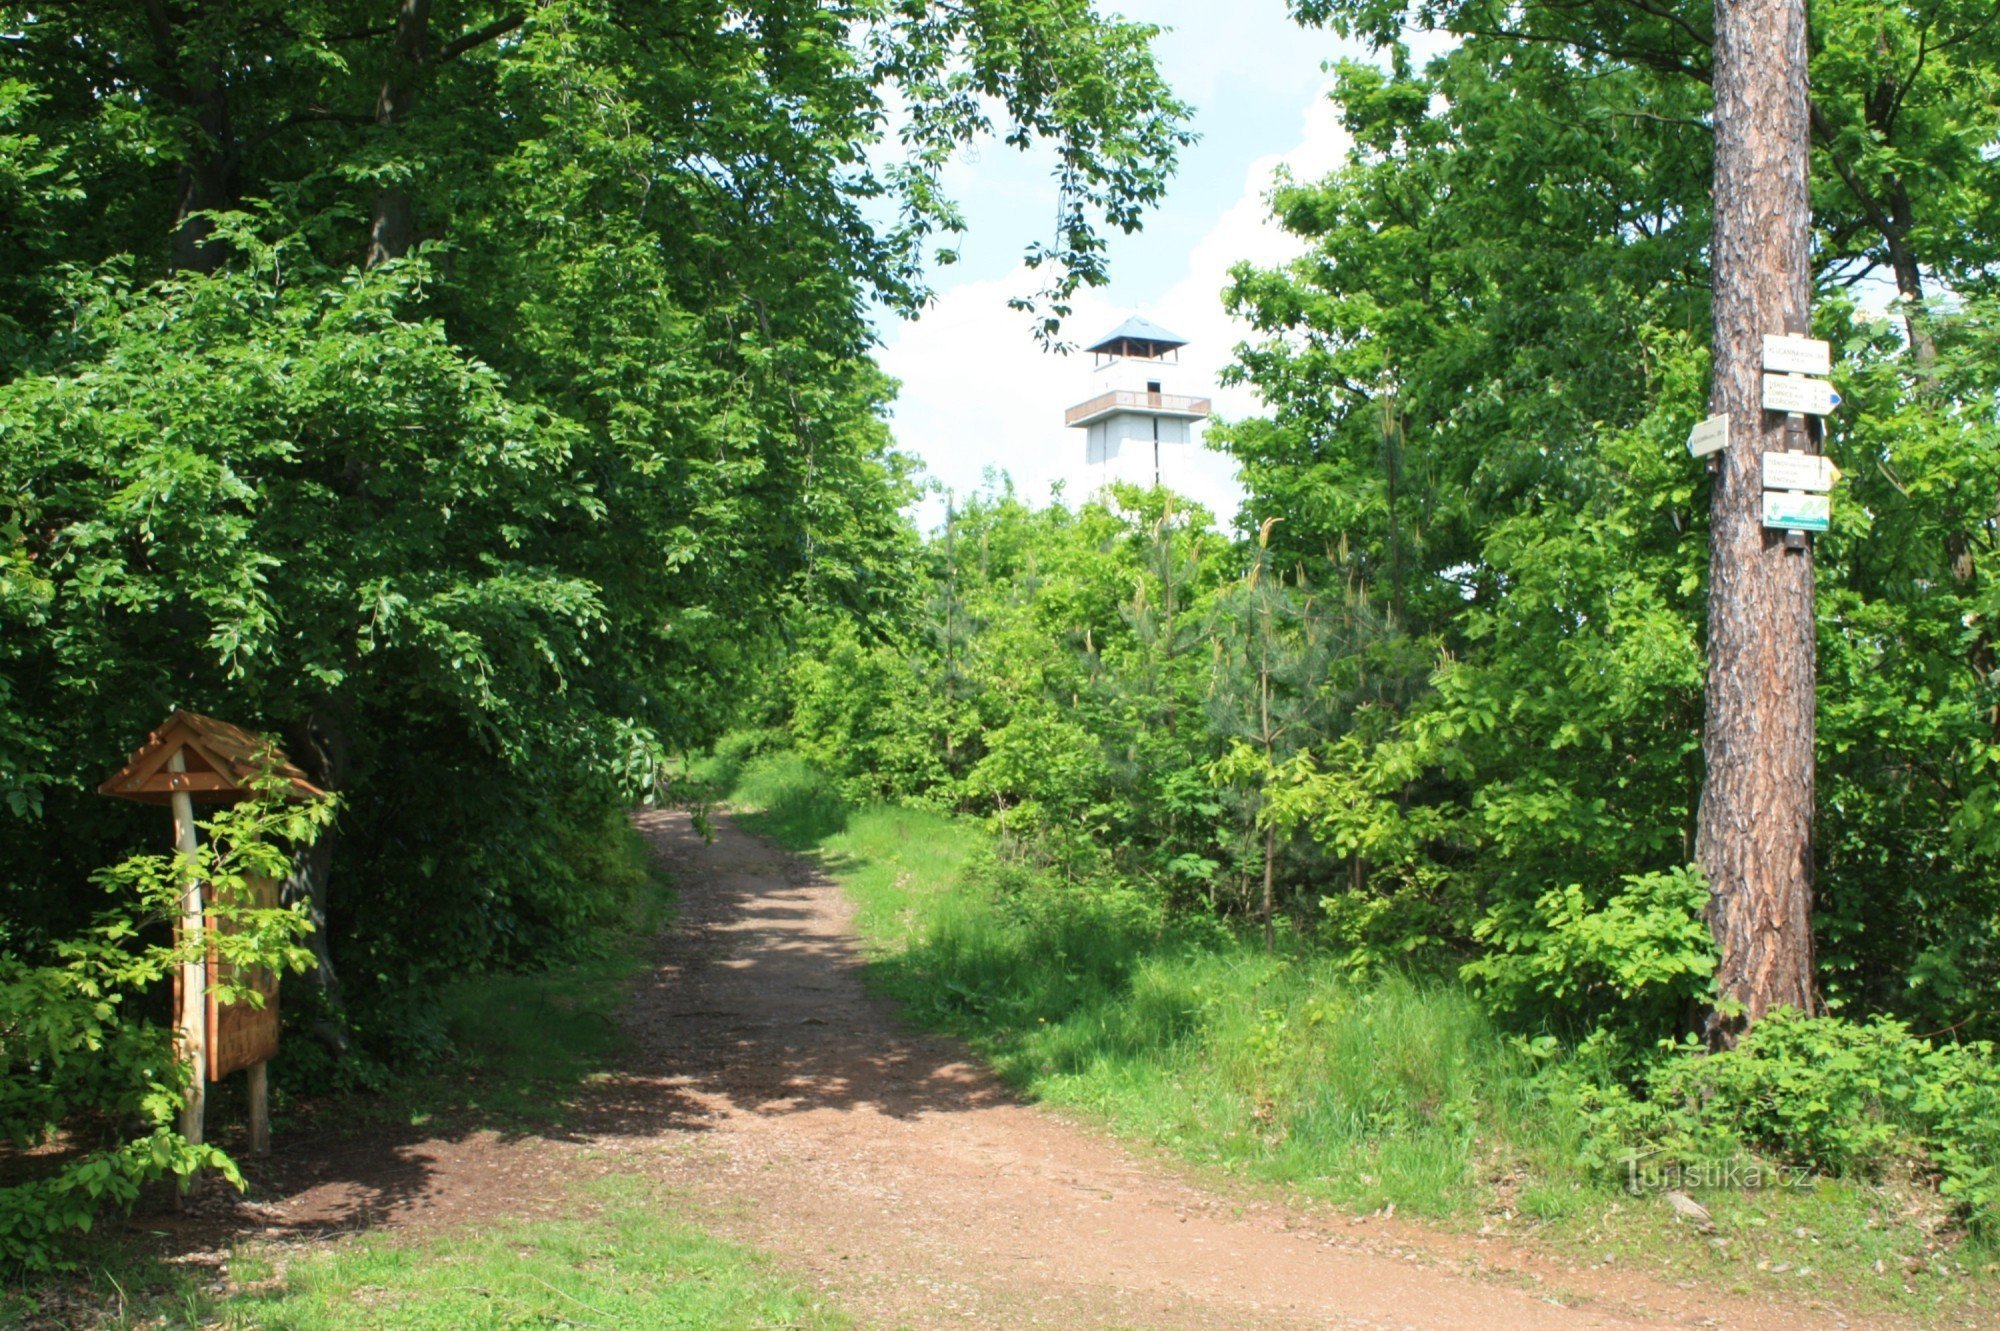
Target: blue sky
[[977, 392]]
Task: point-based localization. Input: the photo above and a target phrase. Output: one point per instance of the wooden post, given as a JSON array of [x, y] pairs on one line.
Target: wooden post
[[1755, 828], [260, 1109], [194, 970]]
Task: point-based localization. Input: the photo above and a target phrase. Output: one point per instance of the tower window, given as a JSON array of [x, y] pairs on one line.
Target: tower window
[[1152, 385]]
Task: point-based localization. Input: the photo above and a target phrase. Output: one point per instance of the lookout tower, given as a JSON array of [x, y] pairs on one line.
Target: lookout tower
[[1131, 415]]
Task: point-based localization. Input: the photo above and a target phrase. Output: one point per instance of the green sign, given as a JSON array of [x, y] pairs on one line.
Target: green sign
[[1792, 511]]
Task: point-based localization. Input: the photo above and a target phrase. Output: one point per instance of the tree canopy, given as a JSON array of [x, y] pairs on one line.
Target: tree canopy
[[467, 393]]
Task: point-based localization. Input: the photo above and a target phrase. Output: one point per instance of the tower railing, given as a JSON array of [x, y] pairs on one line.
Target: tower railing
[[1164, 404]]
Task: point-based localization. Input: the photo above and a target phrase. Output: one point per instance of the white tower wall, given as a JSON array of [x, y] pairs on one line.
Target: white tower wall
[[1140, 420]]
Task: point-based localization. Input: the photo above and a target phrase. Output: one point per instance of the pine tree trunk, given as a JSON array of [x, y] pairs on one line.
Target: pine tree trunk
[[1754, 835]]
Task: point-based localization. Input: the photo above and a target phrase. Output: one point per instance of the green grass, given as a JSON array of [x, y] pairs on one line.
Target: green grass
[[795, 805], [625, 1257], [622, 1252], [1272, 1067], [1282, 1071], [627, 1263]]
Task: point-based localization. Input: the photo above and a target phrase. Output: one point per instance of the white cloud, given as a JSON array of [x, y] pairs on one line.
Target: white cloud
[[979, 393]]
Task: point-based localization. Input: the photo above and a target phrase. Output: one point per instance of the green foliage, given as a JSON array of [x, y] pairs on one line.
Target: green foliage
[[716, 773], [863, 710], [793, 799], [89, 1086], [1480, 375], [1638, 960], [1086, 676], [1040, 767], [1840, 1098]]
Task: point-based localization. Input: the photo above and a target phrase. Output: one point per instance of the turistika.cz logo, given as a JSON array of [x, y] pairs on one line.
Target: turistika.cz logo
[[1697, 1175]]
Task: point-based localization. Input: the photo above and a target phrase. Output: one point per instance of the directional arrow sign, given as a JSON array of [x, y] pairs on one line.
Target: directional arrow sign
[[1711, 436], [1797, 355], [1792, 511], [1799, 471], [1796, 392]]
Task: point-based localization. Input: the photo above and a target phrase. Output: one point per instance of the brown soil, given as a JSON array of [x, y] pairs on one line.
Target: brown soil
[[888, 1169]]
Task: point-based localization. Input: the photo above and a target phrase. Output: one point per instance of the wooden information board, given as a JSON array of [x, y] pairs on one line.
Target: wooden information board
[[239, 1035]]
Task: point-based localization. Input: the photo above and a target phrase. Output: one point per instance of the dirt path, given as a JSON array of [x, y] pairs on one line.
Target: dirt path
[[917, 1191], [883, 1166]]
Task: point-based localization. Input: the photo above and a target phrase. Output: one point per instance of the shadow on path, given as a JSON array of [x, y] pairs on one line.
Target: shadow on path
[[757, 997]]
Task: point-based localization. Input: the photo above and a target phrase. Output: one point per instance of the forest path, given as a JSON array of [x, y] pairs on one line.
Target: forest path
[[896, 1174]]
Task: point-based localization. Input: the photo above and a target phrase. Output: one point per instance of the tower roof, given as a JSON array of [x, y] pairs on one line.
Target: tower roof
[[1136, 337]]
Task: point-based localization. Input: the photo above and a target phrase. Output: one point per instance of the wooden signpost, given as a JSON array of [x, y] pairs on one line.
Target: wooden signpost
[[192, 757]]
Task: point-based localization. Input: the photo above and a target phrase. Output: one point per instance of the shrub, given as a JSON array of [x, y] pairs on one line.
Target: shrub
[[1839, 1097], [718, 773], [1635, 960], [863, 715], [799, 804], [88, 1087]]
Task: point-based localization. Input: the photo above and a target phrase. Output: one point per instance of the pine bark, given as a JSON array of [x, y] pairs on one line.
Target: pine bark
[[1755, 826]]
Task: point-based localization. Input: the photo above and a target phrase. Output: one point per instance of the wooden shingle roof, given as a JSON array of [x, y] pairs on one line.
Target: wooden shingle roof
[[222, 760]]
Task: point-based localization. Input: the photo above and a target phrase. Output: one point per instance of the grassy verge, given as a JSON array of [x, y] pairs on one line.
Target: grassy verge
[[621, 1252], [1284, 1071], [625, 1261]]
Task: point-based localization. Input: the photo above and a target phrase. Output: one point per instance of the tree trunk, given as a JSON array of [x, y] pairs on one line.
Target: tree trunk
[[1754, 833], [1270, 902], [205, 185], [206, 182], [1392, 467], [393, 227], [323, 752], [1269, 739], [1909, 276]]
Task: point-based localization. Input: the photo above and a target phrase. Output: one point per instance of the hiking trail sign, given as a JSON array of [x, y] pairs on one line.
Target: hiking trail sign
[[1800, 471], [1799, 394], [1792, 511]]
